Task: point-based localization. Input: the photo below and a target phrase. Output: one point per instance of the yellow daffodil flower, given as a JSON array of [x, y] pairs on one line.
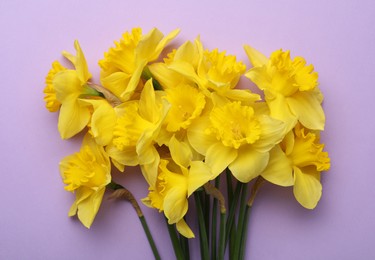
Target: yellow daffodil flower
[[86, 173], [69, 86], [290, 88], [186, 105], [134, 135], [122, 66], [52, 104], [177, 180], [233, 135], [298, 161], [212, 71]]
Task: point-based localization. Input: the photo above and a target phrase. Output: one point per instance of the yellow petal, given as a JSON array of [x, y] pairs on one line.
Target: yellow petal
[[197, 136], [150, 171], [279, 109], [165, 76], [307, 188], [175, 205], [308, 109], [81, 64], [126, 156], [148, 108], [163, 43], [279, 169], [184, 229], [218, 158], [180, 152], [256, 58], [88, 208], [199, 174], [185, 69], [103, 120], [66, 83], [249, 164], [259, 76], [133, 82], [116, 82], [272, 132], [72, 119]]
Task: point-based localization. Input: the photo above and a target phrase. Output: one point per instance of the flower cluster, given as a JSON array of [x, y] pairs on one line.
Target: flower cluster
[[184, 122]]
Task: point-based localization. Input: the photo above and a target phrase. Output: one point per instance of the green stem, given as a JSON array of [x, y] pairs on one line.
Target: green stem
[[244, 234], [184, 242], [229, 187], [202, 228], [222, 236], [174, 239], [232, 211], [254, 191], [240, 222], [214, 221], [206, 210], [121, 192], [149, 238]]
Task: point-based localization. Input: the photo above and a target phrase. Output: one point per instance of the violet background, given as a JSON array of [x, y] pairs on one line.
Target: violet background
[[338, 37]]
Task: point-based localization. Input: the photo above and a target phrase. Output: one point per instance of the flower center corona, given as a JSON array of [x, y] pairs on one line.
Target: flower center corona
[[235, 124]]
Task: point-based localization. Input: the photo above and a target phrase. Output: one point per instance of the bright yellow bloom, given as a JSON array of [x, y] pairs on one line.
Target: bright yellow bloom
[[186, 105], [177, 180], [290, 88], [123, 64], [86, 173], [103, 120], [135, 132], [233, 135], [298, 160], [212, 71], [69, 86], [52, 104]]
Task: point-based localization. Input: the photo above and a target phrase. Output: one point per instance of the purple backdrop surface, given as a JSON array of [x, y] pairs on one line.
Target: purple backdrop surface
[[336, 36]]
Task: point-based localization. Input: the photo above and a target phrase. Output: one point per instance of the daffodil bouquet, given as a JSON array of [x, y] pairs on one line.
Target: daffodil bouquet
[[184, 122]]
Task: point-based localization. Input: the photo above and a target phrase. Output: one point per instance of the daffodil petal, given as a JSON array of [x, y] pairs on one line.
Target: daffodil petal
[[272, 133], [309, 110], [256, 58], [184, 229], [279, 169], [88, 208], [81, 64], [66, 84], [249, 164], [307, 188], [163, 43], [72, 119], [150, 171], [198, 137], [134, 80], [127, 156], [180, 152], [103, 120], [218, 158], [259, 77], [199, 174], [116, 83], [279, 109], [175, 204]]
